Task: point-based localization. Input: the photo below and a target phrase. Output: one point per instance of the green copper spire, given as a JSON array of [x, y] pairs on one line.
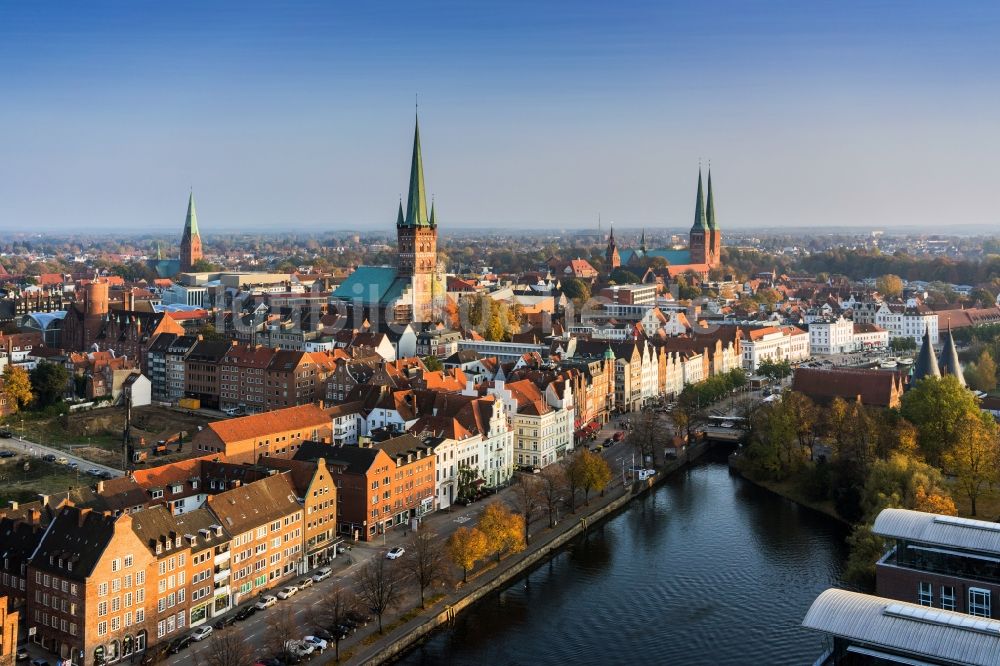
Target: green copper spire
[[416, 203], [433, 221], [711, 204], [699, 208], [399, 216], [191, 223]]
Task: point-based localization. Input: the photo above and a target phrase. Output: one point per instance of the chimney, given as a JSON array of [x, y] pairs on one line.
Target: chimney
[[82, 516], [13, 505], [100, 487], [44, 499]]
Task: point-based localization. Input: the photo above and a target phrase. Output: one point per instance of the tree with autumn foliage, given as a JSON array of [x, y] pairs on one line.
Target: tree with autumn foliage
[[466, 546], [588, 472], [16, 387], [975, 457], [504, 531]]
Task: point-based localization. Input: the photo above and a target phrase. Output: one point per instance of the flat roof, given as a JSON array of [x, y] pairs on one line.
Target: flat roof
[[920, 631], [931, 528]]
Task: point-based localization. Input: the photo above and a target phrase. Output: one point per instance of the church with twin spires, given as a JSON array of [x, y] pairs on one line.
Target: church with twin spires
[[704, 245], [414, 289]]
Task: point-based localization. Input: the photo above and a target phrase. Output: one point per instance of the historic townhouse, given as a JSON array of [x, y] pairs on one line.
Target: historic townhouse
[[378, 486], [89, 585], [267, 525]]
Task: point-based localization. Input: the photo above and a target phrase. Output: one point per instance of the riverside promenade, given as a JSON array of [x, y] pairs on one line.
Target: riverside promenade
[[405, 629]]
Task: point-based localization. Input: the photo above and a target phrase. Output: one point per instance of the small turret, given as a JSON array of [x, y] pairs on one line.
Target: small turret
[[926, 365], [949, 363]]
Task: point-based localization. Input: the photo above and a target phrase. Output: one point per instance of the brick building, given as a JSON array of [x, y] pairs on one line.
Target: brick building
[[378, 487], [201, 370], [274, 433]]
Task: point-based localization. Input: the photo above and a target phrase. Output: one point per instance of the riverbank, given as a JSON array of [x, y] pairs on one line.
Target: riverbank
[[403, 637], [787, 489]]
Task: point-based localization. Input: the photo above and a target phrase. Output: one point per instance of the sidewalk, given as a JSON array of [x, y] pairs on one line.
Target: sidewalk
[[544, 541]]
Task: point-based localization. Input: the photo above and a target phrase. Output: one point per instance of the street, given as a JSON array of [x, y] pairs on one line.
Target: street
[[39, 450]]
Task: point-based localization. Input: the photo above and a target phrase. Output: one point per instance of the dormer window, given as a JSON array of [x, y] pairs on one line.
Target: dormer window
[[156, 493], [159, 549]]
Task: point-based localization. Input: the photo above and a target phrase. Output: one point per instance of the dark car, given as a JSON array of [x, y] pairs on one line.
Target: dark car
[[244, 613], [6, 434], [179, 644], [271, 661], [224, 622], [39, 662], [105, 474], [21, 654], [320, 632], [7, 454], [49, 457], [359, 617]]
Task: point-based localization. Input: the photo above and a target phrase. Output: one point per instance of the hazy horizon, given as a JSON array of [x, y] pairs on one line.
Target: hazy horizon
[[300, 117]]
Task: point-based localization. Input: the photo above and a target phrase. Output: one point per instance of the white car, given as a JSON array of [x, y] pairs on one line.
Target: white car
[[304, 583], [287, 592], [265, 602], [300, 648], [395, 553], [316, 642], [202, 632], [322, 574]]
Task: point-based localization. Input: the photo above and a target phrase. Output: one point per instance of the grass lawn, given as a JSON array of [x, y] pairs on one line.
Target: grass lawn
[[987, 505]]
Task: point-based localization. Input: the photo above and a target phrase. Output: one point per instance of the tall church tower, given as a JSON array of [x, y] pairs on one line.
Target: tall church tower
[[700, 236], [191, 240], [714, 233], [416, 238], [611, 257]]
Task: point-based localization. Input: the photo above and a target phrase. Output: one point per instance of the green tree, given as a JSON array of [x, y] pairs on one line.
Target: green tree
[[623, 276], [575, 289], [16, 387], [774, 370], [433, 363], [208, 332], [49, 382], [937, 406], [982, 374]]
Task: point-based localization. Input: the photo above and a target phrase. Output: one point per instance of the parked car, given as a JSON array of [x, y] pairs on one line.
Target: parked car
[[304, 583], [320, 632], [48, 457], [299, 648], [179, 644], [201, 633], [7, 454], [322, 574], [6, 434], [226, 621], [21, 654], [619, 436], [270, 661], [361, 618], [62, 460], [266, 602], [93, 471], [245, 612], [317, 642], [74, 465], [395, 553], [105, 474], [39, 662], [287, 592]]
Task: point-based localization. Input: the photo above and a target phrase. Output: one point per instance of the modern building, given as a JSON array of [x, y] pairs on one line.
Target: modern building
[[865, 629], [939, 561]]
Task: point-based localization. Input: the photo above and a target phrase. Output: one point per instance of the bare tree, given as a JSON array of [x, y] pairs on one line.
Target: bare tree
[[379, 585], [645, 435], [553, 488], [331, 611], [425, 560], [527, 500], [280, 628], [227, 647]]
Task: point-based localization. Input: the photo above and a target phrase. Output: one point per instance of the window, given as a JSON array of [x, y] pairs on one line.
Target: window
[[979, 602], [102, 609], [948, 597], [925, 594], [140, 577], [128, 561], [116, 564], [102, 628]]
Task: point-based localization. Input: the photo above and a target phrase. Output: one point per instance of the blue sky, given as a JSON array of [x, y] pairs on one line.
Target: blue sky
[[298, 115]]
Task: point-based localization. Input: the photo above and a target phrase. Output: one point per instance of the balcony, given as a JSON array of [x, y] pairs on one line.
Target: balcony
[[221, 558]]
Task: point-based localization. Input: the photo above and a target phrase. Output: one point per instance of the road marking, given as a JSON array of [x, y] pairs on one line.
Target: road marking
[[462, 519]]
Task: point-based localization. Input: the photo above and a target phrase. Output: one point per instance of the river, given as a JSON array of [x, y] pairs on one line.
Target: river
[[707, 569]]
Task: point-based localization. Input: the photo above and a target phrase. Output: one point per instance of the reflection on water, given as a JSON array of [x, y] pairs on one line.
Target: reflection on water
[[709, 569]]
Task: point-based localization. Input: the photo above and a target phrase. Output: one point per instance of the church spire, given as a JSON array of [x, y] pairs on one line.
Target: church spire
[[642, 241], [191, 223], [711, 203], [400, 221], [416, 203], [699, 207]]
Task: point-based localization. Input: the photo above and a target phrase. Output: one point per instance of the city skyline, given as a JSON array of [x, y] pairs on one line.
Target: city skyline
[[533, 116]]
